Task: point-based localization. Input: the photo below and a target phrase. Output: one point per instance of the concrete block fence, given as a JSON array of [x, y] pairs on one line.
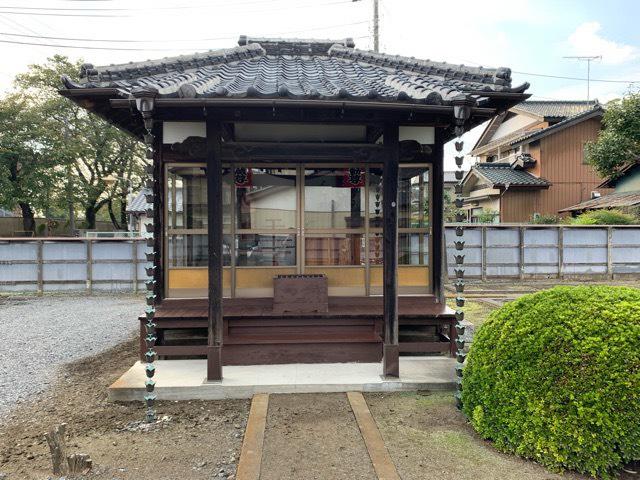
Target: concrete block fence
[[491, 251], [56, 264], [548, 251]]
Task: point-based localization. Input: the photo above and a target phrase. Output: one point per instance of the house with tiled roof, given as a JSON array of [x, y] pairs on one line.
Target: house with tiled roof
[[531, 161], [625, 196]]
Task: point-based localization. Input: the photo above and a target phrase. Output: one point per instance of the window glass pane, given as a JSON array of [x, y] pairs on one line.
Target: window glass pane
[[413, 197], [375, 248], [336, 249], [334, 198], [375, 197], [265, 250], [187, 197], [413, 249], [192, 250], [265, 197]]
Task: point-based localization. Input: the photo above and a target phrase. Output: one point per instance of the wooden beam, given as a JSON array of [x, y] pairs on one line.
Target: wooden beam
[[380, 458], [158, 215], [195, 148], [214, 217], [250, 462], [437, 218], [391, 366], [277, 151]]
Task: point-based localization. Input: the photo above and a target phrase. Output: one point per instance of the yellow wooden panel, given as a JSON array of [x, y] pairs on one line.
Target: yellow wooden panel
[[413, 276], [259, 277], [194, 278], [408, 276], [375, 276], [340, 276]]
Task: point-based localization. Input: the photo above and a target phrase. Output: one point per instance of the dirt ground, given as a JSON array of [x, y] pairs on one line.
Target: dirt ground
[[313, 437], [428, 438], [307, 436], [198, 441]]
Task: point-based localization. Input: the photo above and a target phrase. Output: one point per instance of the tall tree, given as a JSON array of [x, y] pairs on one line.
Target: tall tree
[[28, 174], [619, 141], [102, 163]]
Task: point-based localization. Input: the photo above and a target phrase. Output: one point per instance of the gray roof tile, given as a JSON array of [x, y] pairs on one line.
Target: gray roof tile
[[612, 200], [555, 109], [307, 69], [500, 174]]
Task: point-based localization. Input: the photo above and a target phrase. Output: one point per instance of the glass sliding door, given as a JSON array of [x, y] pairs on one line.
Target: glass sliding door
[[320, 219], [334, 227], [186, 239], [414, 230], [266, 227]]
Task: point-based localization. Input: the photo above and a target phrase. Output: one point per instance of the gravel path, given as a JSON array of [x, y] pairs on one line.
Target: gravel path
[[38, 334]]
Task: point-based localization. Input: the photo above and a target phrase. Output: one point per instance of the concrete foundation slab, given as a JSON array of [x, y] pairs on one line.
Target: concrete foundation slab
[[185, 379]]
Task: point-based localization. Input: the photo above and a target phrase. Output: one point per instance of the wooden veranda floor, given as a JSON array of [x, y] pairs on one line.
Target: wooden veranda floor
[[408, 307], [351, 330]]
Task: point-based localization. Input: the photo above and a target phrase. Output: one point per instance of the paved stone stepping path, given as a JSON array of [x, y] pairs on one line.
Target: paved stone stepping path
[[313, 436]]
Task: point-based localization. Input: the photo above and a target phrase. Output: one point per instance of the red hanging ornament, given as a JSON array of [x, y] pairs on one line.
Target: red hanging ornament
[[243, 177], [353, 178]]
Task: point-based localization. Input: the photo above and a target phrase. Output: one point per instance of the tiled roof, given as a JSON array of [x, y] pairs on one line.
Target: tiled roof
[[560, 112], [301, 69], [628, 169], [139, 202], [502, 174], [612, 200], [595, 110], [450, 177], [555, 109]]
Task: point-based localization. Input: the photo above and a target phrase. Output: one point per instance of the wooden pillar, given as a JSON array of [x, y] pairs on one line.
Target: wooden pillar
[[390, 359], [437, 218], [214, 217]]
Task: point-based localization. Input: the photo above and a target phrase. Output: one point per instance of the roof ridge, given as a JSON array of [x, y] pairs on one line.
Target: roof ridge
[[500, 76], [165, 64], [493, 164]]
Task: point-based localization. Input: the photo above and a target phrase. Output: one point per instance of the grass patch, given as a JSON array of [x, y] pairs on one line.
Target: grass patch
[[474, 311]]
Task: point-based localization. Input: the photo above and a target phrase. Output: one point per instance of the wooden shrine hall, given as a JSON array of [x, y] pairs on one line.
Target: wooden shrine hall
[[295, 197]]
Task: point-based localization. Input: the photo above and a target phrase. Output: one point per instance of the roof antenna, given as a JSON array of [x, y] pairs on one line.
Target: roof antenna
[[588, 59]]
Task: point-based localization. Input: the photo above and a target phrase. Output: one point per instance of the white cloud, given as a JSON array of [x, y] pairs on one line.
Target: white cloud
[[587, 40]]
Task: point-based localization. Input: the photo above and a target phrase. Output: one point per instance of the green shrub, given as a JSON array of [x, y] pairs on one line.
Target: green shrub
[[604, 217], [545, 220], [555, 377]]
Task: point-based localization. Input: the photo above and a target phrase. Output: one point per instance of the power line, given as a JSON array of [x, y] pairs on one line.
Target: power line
[[37, 11], [99, 15], [575, 78], [91, 47], [105, 40]]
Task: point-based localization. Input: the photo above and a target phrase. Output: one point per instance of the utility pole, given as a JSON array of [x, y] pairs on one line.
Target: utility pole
[[588, 59], [376, 25]]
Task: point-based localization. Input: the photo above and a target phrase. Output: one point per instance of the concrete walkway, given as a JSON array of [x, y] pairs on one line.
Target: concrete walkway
[[185, 379]]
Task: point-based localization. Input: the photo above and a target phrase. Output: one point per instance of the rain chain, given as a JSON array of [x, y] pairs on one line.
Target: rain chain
[[145, 103], [461, 112]]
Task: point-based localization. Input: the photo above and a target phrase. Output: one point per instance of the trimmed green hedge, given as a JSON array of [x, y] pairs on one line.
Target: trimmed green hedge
[[555, 377]]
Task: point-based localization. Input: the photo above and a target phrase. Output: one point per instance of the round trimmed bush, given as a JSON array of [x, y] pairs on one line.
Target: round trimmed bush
[[555, 377]]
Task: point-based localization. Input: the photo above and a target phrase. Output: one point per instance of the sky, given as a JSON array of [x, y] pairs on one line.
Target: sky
[[530, 37]]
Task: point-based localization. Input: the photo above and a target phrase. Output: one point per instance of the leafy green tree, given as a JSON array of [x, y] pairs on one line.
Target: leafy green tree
[[101, 163], [619, 141], [28, 174]]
